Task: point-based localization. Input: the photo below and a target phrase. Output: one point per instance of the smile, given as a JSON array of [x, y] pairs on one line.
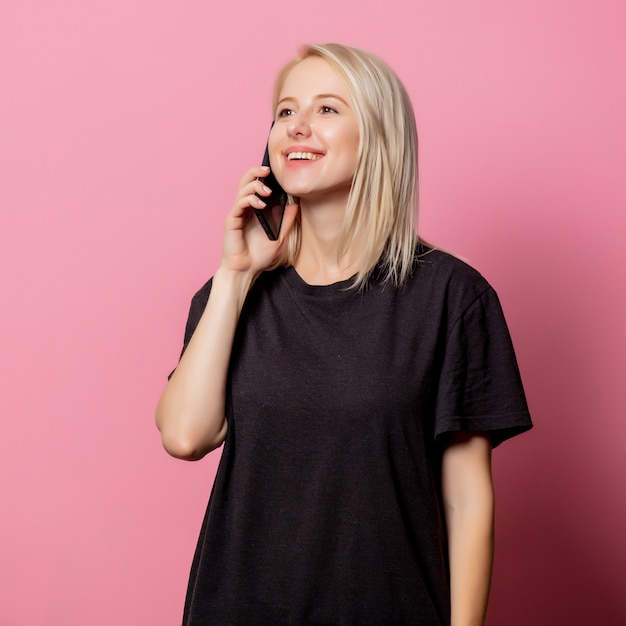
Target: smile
[[303, 156]]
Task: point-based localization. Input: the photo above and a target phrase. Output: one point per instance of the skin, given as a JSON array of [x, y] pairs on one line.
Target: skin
[[468, 496], [315, 115]]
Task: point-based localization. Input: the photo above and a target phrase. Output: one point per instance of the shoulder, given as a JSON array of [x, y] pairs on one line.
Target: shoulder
[[266, 283], [442, 273], [196, 309], [201, 296], [447, 289]]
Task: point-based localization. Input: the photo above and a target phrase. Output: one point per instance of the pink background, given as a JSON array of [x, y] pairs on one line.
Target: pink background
[[124, 128]]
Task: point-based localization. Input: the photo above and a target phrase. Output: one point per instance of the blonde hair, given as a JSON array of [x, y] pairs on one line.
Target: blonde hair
[[382, 206]]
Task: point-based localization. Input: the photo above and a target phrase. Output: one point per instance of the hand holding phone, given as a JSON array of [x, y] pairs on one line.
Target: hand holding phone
[[271, 216]]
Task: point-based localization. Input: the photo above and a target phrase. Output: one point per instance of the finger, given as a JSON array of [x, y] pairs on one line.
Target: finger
[[252, 195], [256, 202], [242, 206], [256, 187], [251, 190], [253, 173]]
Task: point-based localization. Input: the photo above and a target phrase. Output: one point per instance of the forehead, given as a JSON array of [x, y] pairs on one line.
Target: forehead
[[313, 75]]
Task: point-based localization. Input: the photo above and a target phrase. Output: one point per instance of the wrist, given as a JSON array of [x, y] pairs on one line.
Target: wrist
[[234, 282]]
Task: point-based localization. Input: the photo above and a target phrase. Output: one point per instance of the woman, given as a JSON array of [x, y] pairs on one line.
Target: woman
[[358, 386]]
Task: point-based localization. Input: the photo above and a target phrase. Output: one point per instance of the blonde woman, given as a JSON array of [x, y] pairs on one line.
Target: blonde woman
[[357, 378]]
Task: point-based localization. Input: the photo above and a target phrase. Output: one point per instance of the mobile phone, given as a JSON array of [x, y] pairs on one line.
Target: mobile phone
[[271, 216]]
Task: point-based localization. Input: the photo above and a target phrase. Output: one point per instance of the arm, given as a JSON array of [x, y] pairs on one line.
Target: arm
[[467, 490], [191, 411]]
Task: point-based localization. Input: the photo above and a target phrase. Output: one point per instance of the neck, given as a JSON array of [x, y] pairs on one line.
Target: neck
[[319, 260]]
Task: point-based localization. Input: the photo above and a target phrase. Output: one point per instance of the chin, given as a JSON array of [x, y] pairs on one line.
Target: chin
[[298, 191]]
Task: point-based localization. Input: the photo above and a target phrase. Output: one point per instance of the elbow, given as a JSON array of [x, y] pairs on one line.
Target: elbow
[[185, 433], [188, 444], [189, 448], [182, 448]]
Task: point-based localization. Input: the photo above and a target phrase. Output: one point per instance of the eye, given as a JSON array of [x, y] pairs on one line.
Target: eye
[[284, 113], [326, 110]]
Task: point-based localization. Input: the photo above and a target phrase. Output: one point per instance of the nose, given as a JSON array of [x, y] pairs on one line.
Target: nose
[[299, 125]]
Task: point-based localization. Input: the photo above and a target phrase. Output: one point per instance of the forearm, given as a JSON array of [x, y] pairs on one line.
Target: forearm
[[467, 490], [191, 411], [470, 546]]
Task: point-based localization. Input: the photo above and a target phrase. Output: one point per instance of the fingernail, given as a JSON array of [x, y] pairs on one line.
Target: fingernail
[[267, 189], [260, 202], [265, 167]]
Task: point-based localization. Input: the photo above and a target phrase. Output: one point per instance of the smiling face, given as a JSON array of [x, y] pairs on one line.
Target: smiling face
[[314, 143]]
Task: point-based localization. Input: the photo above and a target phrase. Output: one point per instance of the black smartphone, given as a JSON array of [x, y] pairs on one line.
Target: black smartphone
[[271, 216]]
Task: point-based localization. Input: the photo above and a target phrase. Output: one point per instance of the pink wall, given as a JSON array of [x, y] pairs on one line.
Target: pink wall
[[124, 128]]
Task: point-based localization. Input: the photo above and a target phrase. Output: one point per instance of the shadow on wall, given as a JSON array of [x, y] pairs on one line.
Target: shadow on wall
[[560, 556]]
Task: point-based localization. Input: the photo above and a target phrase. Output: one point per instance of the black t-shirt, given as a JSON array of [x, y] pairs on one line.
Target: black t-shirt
[[326, 506]]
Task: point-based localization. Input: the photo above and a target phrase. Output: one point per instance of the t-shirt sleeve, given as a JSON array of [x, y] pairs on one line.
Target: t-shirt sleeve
[[480, 389], [198, 304]]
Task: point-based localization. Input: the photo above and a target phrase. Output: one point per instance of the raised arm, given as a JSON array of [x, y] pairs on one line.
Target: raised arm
[[191, 411], [468, 497]]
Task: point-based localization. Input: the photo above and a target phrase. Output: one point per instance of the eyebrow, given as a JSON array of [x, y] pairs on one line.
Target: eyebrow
[[319, 96]]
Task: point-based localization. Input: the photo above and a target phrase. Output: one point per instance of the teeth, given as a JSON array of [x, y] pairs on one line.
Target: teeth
[[303, 156]]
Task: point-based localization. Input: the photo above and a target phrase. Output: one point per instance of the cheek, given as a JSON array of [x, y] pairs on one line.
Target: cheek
[[345, 138], [355, 136], [350, 139], [351, 145]]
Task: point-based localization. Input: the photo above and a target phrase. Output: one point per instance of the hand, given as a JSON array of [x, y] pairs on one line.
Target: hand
[[246, 247]]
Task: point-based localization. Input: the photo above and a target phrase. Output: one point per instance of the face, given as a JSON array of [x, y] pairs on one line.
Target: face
[[315, 139]]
